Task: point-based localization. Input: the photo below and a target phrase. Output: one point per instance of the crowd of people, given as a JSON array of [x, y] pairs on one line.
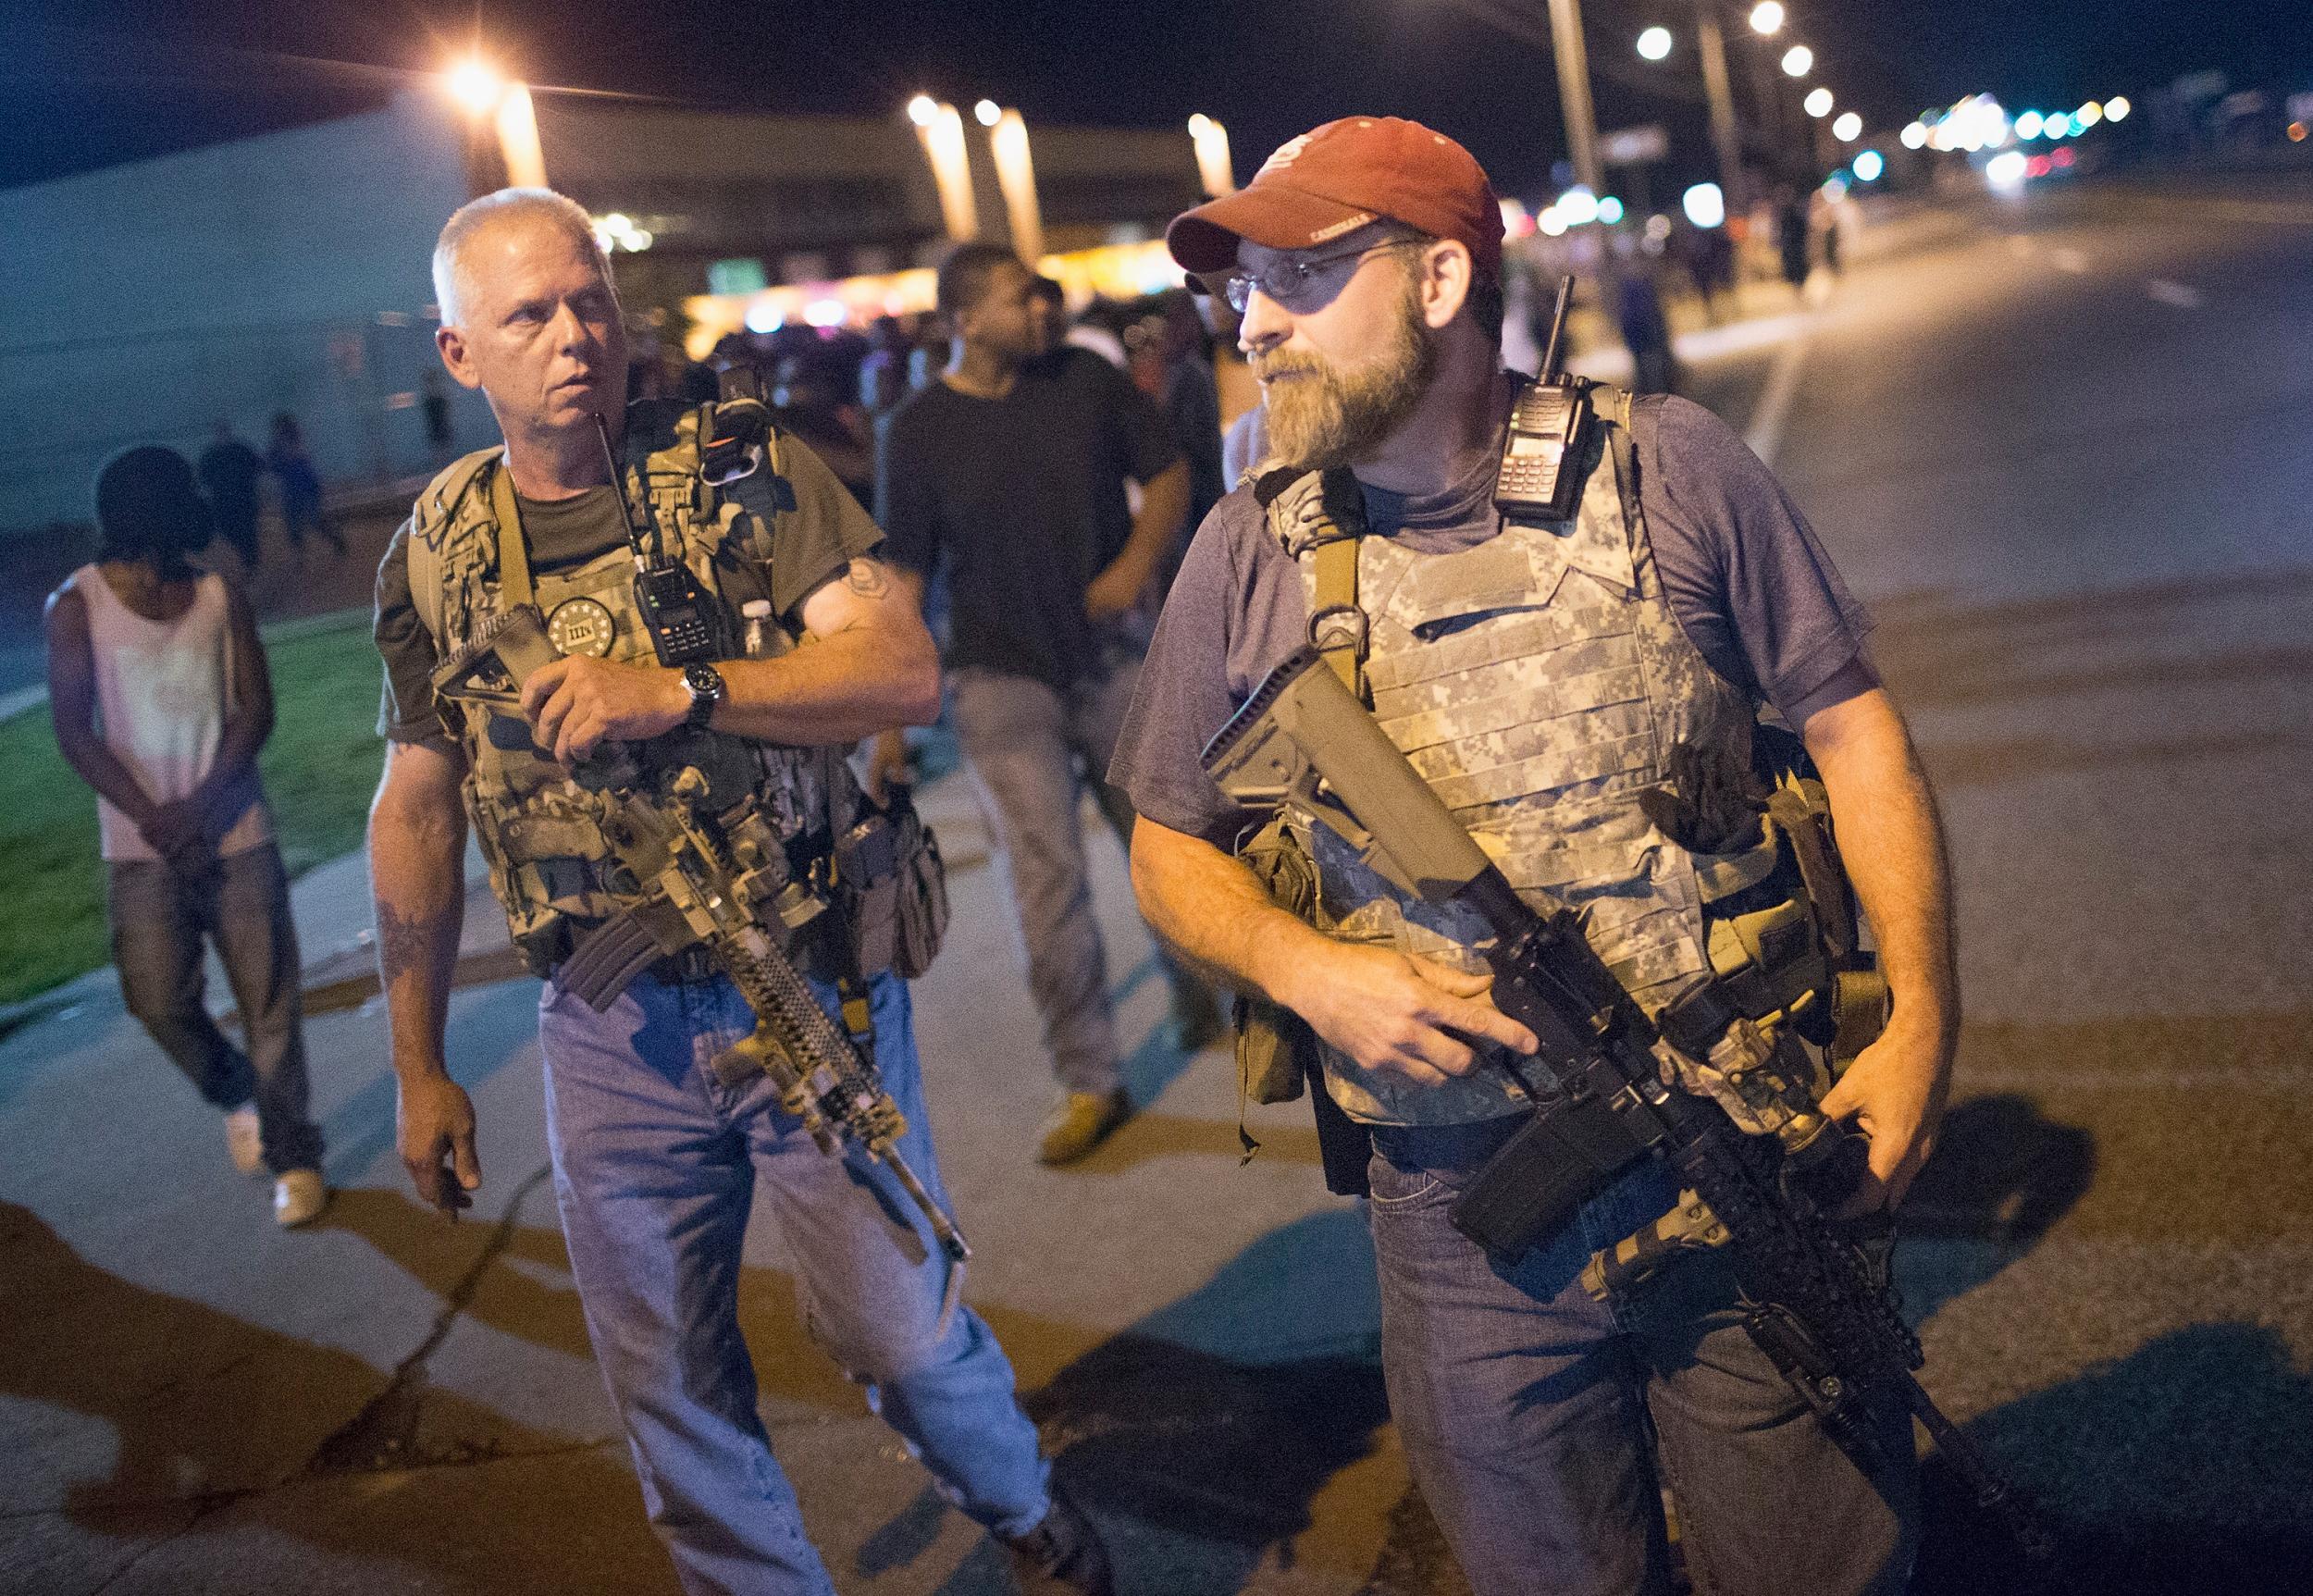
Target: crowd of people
[[1073, 502]]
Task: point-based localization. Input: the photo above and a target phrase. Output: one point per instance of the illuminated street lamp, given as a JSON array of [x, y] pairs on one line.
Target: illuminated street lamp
[[1915, 133], [1016, 176], [2116, 109], [987, 113], [1215, 171], [483, 91], [1655, 43], [475, 84], [941, 132], [1818, 103], [1798, 61], [1766, 17], [1848, 128]]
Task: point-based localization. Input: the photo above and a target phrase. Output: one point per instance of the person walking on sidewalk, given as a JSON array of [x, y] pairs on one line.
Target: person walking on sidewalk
[[1012, 468], [161, 699], [292, 468], [657, 1156]]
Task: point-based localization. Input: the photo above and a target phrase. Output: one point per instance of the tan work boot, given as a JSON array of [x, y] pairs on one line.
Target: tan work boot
[[1079, 1122]]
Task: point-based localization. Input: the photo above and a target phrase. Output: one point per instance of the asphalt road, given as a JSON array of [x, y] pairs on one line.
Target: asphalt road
[[2059, 447]]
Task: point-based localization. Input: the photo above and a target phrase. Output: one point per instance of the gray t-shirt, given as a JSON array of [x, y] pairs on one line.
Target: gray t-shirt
[[1740, 569]]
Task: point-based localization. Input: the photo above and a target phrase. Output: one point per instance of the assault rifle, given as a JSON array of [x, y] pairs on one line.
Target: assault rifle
[[1815, 1302], [687, 876]]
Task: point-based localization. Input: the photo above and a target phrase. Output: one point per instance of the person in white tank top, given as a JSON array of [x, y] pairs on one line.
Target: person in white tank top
[[161, 699]]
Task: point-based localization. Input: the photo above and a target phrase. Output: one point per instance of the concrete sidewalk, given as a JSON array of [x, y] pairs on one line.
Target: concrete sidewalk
[[195, 1402]]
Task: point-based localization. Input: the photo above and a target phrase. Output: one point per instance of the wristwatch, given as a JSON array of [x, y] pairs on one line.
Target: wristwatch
[[707, 691]]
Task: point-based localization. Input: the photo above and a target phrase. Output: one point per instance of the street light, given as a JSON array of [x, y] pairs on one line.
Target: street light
[[1848, 128], [987, 113], [1915, 133], [1798, 61], [475, 85], [1016, 177], [941, 130], [2116, 108], [1215, 171], [1818, 103], [1767, 17], [1655, 43]]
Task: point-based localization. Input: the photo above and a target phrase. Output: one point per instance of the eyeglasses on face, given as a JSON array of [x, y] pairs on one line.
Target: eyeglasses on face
[[1299, 282]]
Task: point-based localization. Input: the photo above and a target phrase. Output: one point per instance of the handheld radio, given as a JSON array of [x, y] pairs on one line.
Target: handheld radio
[[1541, 478], [686, 624]]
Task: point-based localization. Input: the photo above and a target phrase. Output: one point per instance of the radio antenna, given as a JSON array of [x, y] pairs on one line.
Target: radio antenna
[[1557, 329], [625, 508]]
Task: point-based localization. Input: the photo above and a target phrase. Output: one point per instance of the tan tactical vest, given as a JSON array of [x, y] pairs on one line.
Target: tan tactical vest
[[538, 830], [1537, 681]]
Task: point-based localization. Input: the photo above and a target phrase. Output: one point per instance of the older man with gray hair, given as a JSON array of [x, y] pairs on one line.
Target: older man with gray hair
[[657, 1153]]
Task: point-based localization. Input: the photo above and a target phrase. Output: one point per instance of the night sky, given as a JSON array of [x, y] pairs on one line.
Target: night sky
[[86, 85]]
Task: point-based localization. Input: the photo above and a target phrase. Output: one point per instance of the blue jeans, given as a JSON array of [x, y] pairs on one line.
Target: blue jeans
[[656, 1165], [1524, 1408]]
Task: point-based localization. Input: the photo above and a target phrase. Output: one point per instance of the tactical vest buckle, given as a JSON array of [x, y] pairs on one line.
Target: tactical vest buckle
[[1340, 627]]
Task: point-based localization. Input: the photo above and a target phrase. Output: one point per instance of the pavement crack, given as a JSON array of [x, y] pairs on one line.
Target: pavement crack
[[384, 1435]]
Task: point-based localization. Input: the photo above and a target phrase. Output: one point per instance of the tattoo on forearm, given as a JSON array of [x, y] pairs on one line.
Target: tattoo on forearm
[[867, 579], [405, 942]]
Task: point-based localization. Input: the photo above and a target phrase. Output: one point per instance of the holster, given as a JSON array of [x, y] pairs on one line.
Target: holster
[[893, 890], [1278, 1054], [1276, 1049]]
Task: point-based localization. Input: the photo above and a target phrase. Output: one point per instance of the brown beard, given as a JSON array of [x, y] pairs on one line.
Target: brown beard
[[1331, 416]]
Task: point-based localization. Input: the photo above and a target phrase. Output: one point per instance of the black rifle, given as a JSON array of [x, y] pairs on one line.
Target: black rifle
[[689, 875], [1815, 1301]]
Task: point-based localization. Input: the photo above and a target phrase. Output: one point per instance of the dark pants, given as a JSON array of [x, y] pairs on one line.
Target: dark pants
[[159, 918], [1524, 1408]]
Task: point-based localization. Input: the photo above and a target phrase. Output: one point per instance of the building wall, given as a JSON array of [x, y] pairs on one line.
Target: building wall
[[142, 302]]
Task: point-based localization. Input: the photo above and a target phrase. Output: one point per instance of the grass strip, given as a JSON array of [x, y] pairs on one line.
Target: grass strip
[[320, 770]]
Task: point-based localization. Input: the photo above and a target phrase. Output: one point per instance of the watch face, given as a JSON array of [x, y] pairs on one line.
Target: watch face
[[704, 680]]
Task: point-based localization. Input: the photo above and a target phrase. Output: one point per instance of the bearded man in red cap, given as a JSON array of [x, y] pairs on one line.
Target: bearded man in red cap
[[1542, 669]]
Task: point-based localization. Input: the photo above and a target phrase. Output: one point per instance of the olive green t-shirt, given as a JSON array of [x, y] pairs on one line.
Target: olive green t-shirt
[[810, 543]]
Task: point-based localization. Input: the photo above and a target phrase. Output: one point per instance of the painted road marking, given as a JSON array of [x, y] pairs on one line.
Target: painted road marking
[[2175, 293], [1773, 409]]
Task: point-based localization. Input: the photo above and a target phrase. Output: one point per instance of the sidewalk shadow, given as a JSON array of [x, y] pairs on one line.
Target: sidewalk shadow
[[2138, 1466], [2001, 1176], [215, 1420], [1215, 1421], [1220, 1417]]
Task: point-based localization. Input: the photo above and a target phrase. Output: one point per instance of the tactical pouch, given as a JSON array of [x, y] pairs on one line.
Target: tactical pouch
[[1276, 1049], [893, 891]]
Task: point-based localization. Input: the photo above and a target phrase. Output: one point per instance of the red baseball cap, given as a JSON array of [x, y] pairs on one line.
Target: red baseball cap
[[1338, 178]]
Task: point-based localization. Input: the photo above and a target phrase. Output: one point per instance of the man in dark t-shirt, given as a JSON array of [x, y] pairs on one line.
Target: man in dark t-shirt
[[1540, 675], [1010, 472]]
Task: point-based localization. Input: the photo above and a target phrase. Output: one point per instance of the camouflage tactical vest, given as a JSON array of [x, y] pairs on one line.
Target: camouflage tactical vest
[[538, 830], [1537, 681]]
